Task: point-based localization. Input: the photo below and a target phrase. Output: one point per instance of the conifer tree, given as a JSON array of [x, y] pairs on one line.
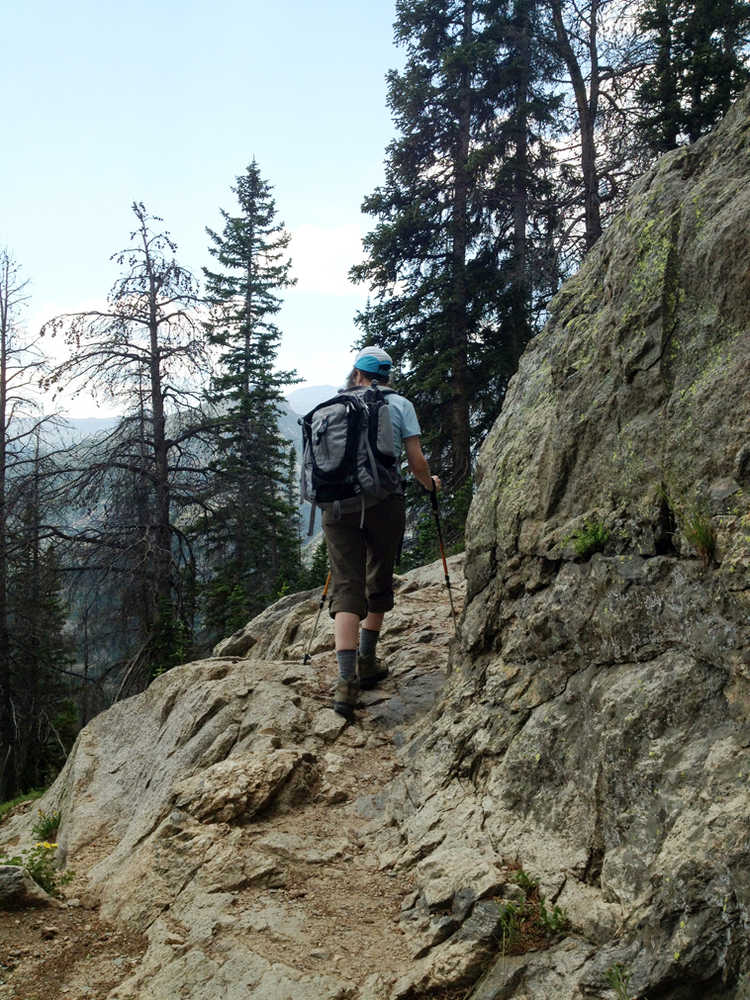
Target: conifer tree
[[40, 651], [251, 527], [317, 571], [524, 206], [449, 257], [699, 66], [23, 669]]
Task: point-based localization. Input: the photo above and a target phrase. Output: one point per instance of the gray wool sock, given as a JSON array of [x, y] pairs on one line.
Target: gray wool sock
[[368, 640], [347, 661]]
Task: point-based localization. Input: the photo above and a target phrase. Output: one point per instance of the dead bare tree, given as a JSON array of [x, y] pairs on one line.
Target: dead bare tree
[[144, 351]]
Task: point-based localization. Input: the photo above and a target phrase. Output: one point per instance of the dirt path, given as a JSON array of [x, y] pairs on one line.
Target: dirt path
[[43, 951]]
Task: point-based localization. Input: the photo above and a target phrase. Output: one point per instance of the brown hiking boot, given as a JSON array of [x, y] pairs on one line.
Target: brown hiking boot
[[371, 672], [345, 697]]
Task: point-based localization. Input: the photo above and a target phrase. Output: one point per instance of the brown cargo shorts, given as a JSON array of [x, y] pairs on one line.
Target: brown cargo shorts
[[362, 558]]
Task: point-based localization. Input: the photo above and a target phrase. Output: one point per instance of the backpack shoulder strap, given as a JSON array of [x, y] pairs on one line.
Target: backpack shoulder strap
[[311, 523]]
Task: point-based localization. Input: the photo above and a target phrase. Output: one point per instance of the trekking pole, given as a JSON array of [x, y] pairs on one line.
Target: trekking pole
[[434, 501], [306, 658]]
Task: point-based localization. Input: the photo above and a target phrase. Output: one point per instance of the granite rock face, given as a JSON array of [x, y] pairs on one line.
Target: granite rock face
[[596, 725]]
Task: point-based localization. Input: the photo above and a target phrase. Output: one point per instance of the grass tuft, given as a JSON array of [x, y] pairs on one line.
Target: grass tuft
[[528, 924], [701, 535]]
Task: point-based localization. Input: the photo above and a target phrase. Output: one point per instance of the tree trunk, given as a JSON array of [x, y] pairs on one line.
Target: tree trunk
[[8, 736], [457, 312], [30, 731], [520, 331], [668, 98], [84, 708], [162, 525], [587, 106]]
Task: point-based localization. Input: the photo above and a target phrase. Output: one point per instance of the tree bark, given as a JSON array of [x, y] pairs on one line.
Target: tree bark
[[457, 315], [520, 331], [8, 737], [587, 105], [163, 534], [31, 751]]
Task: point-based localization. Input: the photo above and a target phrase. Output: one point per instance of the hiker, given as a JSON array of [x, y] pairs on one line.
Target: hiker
[[363, 546]]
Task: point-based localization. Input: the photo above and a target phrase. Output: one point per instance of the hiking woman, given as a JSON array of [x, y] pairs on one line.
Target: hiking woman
[[363, 546]]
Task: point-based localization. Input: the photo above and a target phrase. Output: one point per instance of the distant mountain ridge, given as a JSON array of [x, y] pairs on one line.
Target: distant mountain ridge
[[79, 428], [82, 427], [296, 404], [302, 400]]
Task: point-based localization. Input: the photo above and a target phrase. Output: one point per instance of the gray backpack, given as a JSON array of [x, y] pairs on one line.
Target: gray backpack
[[348, 455]]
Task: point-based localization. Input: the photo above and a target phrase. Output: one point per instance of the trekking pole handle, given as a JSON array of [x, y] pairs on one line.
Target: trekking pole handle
[[433, 495], [432, 492], [325, 589]]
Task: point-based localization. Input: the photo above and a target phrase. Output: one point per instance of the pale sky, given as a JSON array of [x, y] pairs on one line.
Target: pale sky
[[166, 102]]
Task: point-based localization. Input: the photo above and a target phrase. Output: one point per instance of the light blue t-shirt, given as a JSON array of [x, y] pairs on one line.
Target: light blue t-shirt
[[403, 418]]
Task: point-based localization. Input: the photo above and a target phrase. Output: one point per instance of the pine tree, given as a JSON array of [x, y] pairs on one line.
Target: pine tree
[[523, 199], [250, 530], [26, 654], [700, 65], [316, 573], [417, 256], [40, 650], [449, 260]]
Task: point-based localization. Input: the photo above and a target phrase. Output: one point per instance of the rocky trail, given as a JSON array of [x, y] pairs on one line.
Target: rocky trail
[[269, 851]]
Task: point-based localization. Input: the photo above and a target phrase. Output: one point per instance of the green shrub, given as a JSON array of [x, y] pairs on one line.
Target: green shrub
[[619, 979], [528, 924], [591, 538], [525, 881], [39, 862], [555, 920]]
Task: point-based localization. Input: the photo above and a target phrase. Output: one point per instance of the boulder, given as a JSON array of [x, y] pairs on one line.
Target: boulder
[[18, 889]]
